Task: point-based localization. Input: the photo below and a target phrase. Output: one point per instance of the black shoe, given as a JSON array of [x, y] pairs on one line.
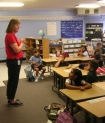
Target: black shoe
[[17, 103], [9, 100]]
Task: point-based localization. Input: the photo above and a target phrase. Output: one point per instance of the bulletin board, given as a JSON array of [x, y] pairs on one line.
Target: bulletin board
[[72, 29]]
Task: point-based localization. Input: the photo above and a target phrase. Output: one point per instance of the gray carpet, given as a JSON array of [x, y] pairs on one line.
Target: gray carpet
[[34, 96]]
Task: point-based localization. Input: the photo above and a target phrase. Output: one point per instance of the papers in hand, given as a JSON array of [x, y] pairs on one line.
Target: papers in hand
[[67, 70]]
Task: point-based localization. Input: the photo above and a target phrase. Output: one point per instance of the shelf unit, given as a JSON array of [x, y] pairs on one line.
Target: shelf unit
[[72, 47], [29, 46], [93, 30], [103, 42], [41, 44]]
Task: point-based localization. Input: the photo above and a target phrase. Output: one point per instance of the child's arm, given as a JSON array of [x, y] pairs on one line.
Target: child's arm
[[68, 86], [86, 86], [69, 66], [31, 60], [58, 62]]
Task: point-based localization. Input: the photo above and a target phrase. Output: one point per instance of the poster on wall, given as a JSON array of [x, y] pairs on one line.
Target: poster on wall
[[51, 28], [72, 29]]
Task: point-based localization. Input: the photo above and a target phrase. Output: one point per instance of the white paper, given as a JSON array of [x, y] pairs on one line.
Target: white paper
[[51, 28], [67, 70]]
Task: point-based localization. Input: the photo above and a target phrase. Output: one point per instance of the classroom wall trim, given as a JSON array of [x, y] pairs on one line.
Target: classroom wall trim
[[6, 18]]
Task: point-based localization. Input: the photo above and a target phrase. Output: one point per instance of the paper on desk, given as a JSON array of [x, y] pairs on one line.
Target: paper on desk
[[67, 70], [96, 100]]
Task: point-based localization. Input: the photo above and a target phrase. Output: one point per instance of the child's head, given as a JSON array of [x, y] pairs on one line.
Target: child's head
[[62, 55], [92, 66], [36, 53], [75, 74], [97, 51], [99, 45], [53, 51], [83, 48]]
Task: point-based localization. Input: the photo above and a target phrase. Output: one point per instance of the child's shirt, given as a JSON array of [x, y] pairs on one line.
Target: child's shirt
[[64, 63], [91, 77], [86, 54], [38, 60], [97, 57], [71, 82]]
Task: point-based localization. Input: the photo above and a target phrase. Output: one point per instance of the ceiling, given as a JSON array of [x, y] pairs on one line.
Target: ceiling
[[48, 4]]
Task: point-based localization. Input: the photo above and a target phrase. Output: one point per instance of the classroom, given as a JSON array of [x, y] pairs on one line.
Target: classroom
[[56, 30]]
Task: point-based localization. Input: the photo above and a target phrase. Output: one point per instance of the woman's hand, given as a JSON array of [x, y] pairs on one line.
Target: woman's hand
[[23, 40]]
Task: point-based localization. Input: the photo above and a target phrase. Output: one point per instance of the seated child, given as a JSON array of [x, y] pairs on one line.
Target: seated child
[[61, 62], [53, 51], [37, 65], [97, 56], [92, 76], [83, 51], [76, 82], [99, 46]]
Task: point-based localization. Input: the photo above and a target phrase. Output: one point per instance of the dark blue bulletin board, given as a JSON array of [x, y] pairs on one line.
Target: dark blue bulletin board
[[72, 29]]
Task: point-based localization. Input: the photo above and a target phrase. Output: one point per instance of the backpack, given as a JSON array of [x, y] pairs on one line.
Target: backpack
[[53, 110], [29, 75], [65, 117]]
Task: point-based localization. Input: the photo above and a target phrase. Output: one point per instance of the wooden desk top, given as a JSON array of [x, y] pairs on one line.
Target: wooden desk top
[[65, 72], [49, 60], [68, 59], [96, 108], [100, 84], [78, 95]]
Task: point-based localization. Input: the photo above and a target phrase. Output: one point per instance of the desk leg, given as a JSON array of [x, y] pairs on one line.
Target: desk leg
[[60, 82], [72, 105], [63, 82], [85, 116], [67, 100], [93, 119], [54, 80]]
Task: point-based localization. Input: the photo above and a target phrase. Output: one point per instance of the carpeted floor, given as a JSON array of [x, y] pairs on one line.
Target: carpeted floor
[[34, 96]]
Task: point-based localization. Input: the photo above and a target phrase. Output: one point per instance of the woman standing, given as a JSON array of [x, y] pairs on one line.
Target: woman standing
[[14, 55]]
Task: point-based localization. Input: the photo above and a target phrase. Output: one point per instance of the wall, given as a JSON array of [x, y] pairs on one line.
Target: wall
[[94, 19], [32, 22]]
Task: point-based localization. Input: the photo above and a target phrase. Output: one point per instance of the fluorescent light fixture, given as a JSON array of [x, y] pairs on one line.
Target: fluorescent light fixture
[[87, 6], [11, 4], [101, 1]]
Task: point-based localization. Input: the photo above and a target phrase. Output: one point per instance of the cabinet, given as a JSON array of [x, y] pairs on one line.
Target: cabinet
[[93, 30], [41, 44], [29, 46], [72, 47]]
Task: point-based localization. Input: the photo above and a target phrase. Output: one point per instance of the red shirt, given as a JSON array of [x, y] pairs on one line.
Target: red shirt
[[10, 38]]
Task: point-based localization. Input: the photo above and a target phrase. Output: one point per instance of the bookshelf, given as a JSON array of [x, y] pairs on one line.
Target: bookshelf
[[33, 43], [93, 30], [71, 47]]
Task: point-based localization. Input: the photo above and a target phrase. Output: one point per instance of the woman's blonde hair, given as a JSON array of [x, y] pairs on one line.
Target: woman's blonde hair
[[11, 25]]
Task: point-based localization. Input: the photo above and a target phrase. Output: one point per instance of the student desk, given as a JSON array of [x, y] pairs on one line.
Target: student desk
[[96, 108], [78, 95], [64, 73], [52, 61], [100, 84], [49, 62]]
